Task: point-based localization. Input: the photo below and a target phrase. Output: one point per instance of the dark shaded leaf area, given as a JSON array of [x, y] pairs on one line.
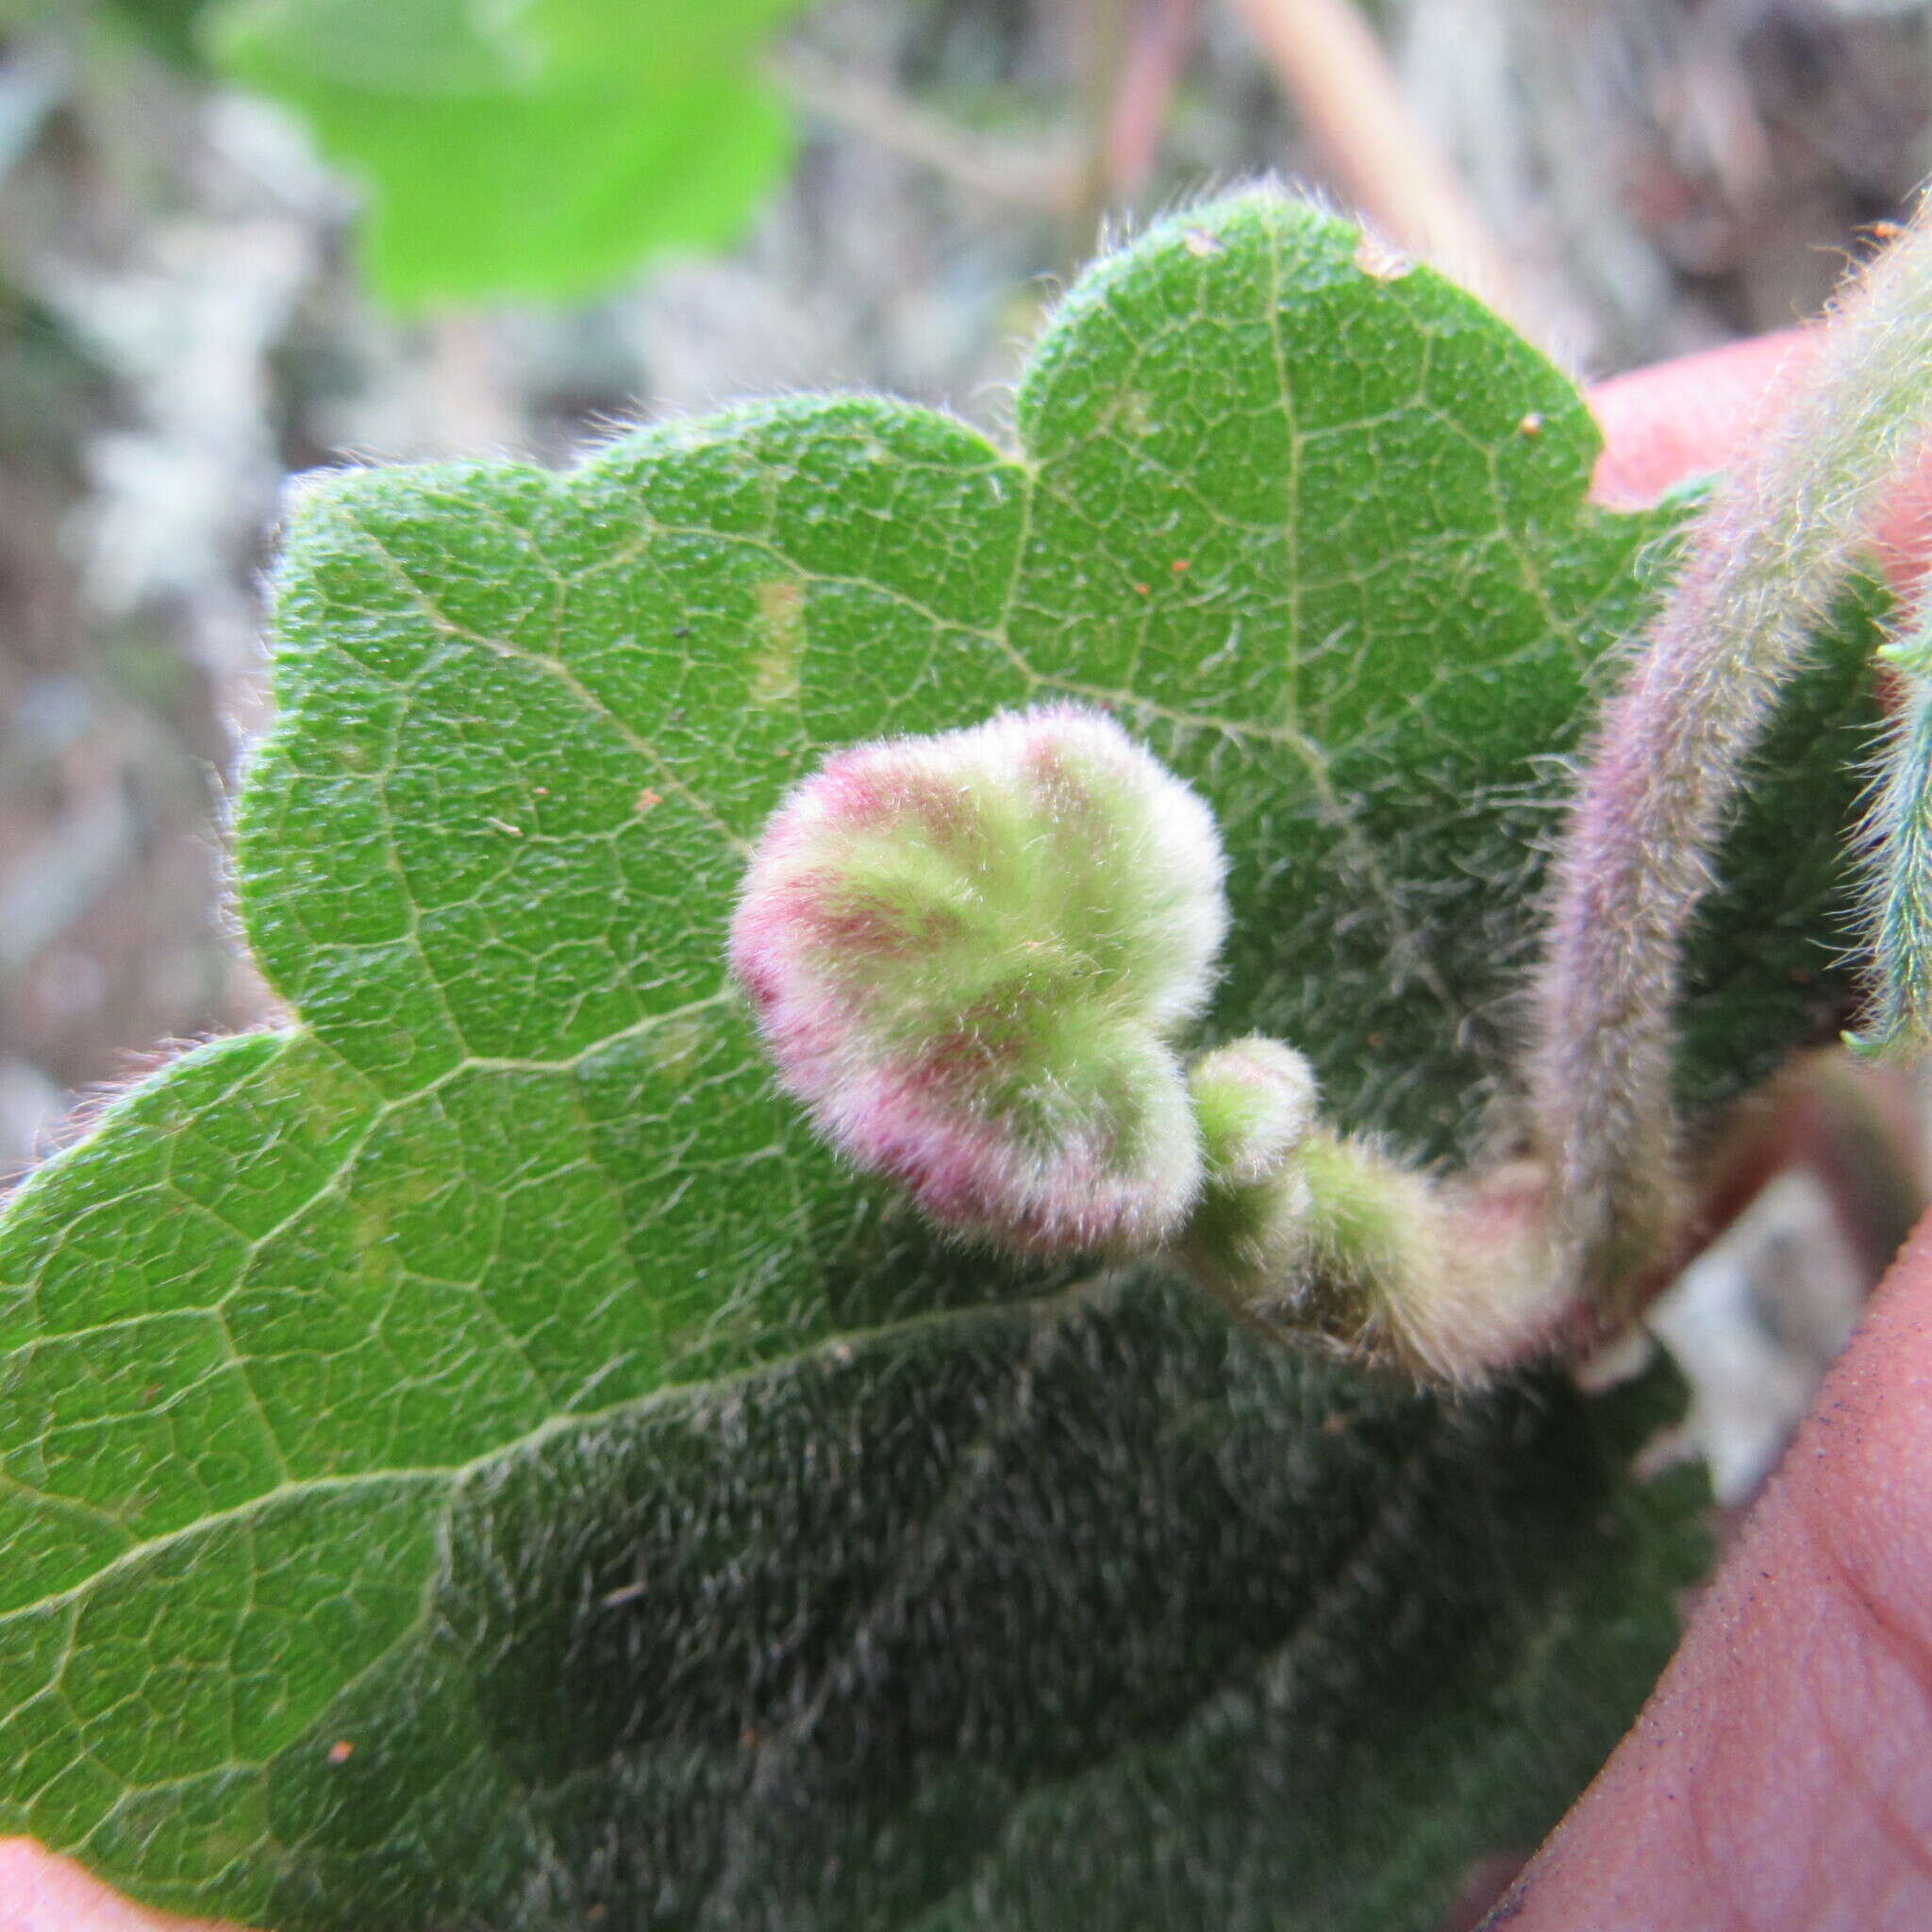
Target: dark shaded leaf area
[[473, 1461], [1099, 1616]]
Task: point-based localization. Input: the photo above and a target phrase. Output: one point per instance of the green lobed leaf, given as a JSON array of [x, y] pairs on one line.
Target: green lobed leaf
[[543, 148], [473, 1459]]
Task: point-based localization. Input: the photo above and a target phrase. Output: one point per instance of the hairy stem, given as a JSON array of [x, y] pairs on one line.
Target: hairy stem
[[1765, 559]]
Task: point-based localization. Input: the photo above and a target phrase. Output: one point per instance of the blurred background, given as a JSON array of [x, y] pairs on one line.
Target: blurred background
[[242, 238]]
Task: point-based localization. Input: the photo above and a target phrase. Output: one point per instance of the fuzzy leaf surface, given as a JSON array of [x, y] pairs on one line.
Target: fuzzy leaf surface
[[545, 148], [473, 1458]]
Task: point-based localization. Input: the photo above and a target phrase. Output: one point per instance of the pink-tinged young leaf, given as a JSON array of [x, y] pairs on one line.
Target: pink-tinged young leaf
[[969, 955]]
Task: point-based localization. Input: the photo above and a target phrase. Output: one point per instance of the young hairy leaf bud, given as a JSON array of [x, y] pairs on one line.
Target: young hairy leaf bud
[[1255, 1102], [969, 956]]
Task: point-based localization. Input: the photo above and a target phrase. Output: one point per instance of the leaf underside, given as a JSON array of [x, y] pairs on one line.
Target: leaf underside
[[544, 150], [473, 1459]]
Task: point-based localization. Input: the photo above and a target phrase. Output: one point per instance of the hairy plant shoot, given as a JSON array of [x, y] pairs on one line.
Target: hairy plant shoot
[[971, 957], [1765, 558]]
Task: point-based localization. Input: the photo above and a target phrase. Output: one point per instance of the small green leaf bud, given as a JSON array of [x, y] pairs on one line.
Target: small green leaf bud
[[1254, 1099], [1255, 1102]]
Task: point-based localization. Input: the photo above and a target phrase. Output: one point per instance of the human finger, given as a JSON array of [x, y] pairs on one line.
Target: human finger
[[1780, 1776], [39, 1892]]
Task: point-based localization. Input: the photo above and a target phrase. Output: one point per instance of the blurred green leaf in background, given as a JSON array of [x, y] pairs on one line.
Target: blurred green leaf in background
[[538, 149]]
